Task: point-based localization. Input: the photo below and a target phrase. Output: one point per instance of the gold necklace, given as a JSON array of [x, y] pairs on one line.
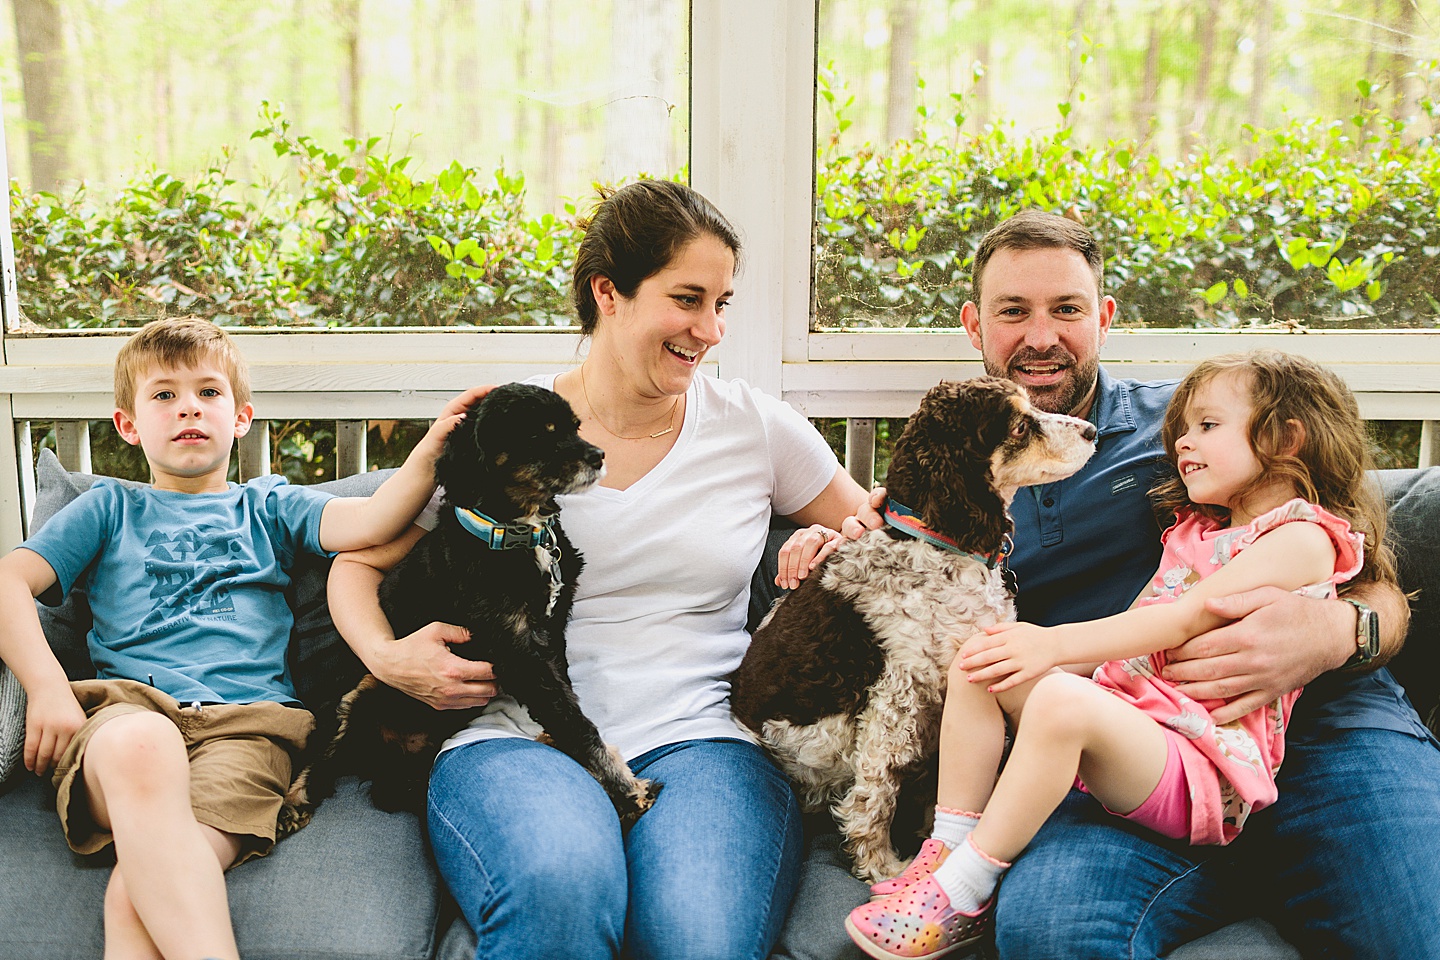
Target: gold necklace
[[596, 414]]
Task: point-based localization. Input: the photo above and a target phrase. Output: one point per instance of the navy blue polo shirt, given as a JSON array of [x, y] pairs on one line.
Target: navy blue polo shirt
[[1085, 547]]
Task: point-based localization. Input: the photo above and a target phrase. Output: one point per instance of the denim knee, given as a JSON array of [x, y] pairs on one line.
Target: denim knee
[[530, 847], [1092, 885]]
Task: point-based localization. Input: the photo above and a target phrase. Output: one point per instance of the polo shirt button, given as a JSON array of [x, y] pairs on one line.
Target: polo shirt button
[[1049, 501]]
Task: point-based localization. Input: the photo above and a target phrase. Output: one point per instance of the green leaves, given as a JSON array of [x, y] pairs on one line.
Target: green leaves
[[1299, 231]]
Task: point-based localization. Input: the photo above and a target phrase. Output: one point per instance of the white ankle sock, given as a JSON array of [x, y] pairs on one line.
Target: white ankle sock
[[969, 876], [953, 826]]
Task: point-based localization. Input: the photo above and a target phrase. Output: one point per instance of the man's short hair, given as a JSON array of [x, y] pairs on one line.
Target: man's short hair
[[1039, 230], [173, 343]]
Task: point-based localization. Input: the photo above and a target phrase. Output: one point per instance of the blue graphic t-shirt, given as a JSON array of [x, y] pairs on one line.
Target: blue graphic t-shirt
[[187, 590]]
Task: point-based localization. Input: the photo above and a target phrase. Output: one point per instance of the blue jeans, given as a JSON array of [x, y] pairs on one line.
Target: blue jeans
[[531, 849], [1345, 864]]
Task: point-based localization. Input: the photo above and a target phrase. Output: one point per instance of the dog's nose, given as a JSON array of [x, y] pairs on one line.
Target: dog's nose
[[595, 457], [1088, 431]]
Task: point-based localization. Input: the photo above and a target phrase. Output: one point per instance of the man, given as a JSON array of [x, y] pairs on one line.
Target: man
[[1344, 863]]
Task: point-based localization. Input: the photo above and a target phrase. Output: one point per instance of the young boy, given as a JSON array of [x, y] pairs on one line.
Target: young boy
[[181, 750]]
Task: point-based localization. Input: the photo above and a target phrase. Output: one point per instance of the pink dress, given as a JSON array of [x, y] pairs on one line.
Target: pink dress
[[1231, 768]]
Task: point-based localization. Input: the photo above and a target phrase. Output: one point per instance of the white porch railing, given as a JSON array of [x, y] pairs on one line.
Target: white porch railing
[[354, 376]]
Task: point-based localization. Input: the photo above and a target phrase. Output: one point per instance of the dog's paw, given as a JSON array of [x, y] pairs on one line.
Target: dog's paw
[[640, 797], [292, 818], [875, 865]]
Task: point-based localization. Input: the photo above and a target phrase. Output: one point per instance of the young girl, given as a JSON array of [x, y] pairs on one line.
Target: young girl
[[1270, 455]]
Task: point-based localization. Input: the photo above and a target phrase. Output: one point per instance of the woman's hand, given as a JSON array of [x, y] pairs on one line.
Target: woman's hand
[[1009, 654], [803, 552], [423, 666], [867, 517], [51, 721]]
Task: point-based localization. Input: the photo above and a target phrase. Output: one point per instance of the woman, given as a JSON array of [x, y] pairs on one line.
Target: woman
[[527, 841]]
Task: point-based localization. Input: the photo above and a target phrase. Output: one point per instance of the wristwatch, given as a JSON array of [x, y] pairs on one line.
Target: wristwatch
[[1367, 635]]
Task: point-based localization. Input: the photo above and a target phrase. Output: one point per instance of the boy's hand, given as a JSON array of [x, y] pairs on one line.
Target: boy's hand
[[434, 439], [1009, 654], [51, 720]]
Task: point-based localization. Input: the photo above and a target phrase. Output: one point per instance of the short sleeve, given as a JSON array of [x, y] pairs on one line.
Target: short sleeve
[[802, 461], [1349, 545], [296, 512], [72, 538]]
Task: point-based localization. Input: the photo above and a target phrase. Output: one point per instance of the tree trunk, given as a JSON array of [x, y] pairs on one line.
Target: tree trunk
[[1206, 30], [980, 112], [1147, 106], [637, 115], [1076, 43], [1260, 67], [347, 15], [467, 98], [900, 74], [295, 65], [40, 40], [1408, 87], [162, 94]]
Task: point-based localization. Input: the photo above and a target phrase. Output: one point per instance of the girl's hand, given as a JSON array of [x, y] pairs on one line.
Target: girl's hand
[[51, 721], [803, 552], [1009, 654]]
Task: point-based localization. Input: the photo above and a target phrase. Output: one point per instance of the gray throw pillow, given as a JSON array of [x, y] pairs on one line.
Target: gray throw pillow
[[322, 665], [1414, 532]]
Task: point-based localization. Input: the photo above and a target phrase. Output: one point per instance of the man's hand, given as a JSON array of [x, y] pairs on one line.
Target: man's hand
[[1278, 642], [1009, 654], [867, 518], [803, 552], [51, 720], [422, 665]]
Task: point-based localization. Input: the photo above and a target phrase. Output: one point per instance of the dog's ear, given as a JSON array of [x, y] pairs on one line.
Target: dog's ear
[[941, 463], [461, 463]]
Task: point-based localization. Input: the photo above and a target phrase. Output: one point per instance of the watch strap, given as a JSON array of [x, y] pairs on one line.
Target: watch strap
[[1367, 635]]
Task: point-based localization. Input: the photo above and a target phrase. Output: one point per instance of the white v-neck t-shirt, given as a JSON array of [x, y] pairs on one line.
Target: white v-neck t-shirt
[[658, 624]]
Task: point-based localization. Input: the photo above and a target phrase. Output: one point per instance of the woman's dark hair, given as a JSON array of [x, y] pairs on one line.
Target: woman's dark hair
[[635, 232]]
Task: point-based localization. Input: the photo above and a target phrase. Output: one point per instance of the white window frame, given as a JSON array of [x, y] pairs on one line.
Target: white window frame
[[752, 152]]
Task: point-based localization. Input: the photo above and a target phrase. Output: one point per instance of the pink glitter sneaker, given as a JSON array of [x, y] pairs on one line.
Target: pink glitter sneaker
[[932, 853], [917, 922]]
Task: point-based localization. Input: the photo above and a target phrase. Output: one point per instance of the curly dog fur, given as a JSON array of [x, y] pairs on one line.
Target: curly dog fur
[[516, 450], [844, 681]]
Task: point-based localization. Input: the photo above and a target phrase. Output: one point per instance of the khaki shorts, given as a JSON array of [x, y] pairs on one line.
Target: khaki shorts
[[240, 761]]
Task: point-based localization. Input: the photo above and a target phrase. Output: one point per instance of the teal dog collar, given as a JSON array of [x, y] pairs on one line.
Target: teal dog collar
[[505, 536]]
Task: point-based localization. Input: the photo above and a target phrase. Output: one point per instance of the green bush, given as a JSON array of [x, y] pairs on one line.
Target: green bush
[[1327, 223], [1322, 223]]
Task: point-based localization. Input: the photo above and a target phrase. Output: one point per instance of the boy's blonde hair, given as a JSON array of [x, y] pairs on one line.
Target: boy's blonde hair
[[1330, 468], [178, 342]]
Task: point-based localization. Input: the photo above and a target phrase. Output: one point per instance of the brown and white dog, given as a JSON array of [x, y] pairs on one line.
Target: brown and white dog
[[845, 679]]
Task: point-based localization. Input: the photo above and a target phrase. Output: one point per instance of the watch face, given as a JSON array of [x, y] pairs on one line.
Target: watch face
[[1370, 626]]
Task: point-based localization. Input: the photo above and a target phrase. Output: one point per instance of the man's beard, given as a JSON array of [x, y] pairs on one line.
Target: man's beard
[[1066, 396]]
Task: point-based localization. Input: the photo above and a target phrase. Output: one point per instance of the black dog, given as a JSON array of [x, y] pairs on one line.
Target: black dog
[[499, 565]]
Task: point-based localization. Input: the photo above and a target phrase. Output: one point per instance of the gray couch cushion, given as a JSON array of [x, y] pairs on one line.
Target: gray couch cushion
[[1415, 532], [356, 883]]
